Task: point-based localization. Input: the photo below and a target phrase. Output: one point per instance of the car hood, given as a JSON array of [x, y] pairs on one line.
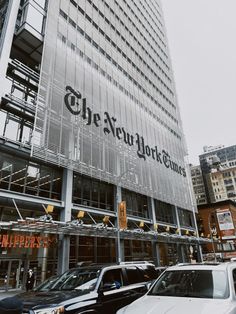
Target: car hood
[[176, 305], [34, 299]]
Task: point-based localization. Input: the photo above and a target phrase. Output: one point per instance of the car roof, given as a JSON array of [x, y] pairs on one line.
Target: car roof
[[202, 266], [111, 266]]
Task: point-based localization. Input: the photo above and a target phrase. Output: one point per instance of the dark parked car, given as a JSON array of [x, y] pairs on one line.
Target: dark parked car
[[47, 284], [92, 289]]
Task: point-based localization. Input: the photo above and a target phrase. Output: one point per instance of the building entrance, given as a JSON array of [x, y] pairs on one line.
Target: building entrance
[[10, 274]]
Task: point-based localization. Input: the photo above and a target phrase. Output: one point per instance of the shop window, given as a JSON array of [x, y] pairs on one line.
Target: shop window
[[91, 249], [137, 250], [106, 250]]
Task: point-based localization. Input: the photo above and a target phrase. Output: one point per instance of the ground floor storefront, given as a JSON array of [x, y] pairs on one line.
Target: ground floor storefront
[[20, 251], [52, 219]]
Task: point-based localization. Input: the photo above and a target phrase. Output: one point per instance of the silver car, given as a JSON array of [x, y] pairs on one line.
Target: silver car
[[192, 288]]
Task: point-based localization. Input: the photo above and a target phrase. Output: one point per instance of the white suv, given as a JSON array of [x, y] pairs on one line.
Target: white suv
[[190, 288]]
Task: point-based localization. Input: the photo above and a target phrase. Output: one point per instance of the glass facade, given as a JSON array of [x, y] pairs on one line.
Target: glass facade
[[106, 100], [137, 204], [90, 118], [138, 250], [24, 176], [92, 249], [88, 191], [165, 212], [186, 218], [31, 14], [19, 250], [3, 12]]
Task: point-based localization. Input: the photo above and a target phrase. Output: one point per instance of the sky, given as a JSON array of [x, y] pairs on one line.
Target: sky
[[202, 42]]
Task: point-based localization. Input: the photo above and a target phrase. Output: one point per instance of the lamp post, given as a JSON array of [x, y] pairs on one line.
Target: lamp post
[[210, 230], [117, 213], [118, 228]]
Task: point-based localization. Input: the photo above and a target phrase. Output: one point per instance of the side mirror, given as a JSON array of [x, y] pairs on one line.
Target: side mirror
[[148, 285]]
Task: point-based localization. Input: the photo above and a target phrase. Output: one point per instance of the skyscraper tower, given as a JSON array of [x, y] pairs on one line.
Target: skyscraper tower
[[89, 118]]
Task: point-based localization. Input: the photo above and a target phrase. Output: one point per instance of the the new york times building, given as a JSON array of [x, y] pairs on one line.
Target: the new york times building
[[106, 137]]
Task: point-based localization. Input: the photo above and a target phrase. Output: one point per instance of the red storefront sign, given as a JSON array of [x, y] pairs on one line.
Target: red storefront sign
[[229, 255], [24, 241]]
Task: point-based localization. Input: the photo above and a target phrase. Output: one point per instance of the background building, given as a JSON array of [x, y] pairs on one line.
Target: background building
[[217, 223], [198, 185], [89, 118], [217, 172]]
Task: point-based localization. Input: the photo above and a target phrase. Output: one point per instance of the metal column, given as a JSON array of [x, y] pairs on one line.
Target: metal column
[[119, 242], [64, 240], [155, 245]]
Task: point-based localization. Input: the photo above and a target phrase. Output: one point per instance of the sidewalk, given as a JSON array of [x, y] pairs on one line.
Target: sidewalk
[[10, 293]]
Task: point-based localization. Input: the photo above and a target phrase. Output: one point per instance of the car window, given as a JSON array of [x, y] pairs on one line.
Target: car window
[[77, 279], [133, 275], [234, 279], [211, 284], [112, 276], [149, 272]]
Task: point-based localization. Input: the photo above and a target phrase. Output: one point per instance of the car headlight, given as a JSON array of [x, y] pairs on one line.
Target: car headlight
[[51, 310]]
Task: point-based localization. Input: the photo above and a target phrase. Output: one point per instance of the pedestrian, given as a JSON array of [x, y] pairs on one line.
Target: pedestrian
[[5, 282], [30, 280], [11, 305]]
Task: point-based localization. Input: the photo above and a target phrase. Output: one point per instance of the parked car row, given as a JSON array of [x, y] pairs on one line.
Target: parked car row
[[132, 288], [90, 289]]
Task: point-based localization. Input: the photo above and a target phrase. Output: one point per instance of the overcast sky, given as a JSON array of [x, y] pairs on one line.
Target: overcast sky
[[202, 41]]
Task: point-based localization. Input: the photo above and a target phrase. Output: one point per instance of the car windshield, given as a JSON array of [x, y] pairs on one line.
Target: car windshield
[[211, 284], [81, 279], [47, 284]]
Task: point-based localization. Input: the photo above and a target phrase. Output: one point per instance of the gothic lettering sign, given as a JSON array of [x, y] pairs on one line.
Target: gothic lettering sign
[[25, 241], [77, 105]]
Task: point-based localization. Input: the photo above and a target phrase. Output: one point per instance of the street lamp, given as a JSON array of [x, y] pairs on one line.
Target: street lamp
[[210, 230], [118, 231]]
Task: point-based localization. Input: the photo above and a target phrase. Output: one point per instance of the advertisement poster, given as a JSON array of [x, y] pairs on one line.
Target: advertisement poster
[[226, 226]]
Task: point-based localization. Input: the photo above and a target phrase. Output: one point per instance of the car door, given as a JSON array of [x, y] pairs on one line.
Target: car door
[[136, 283], [112, 294]]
